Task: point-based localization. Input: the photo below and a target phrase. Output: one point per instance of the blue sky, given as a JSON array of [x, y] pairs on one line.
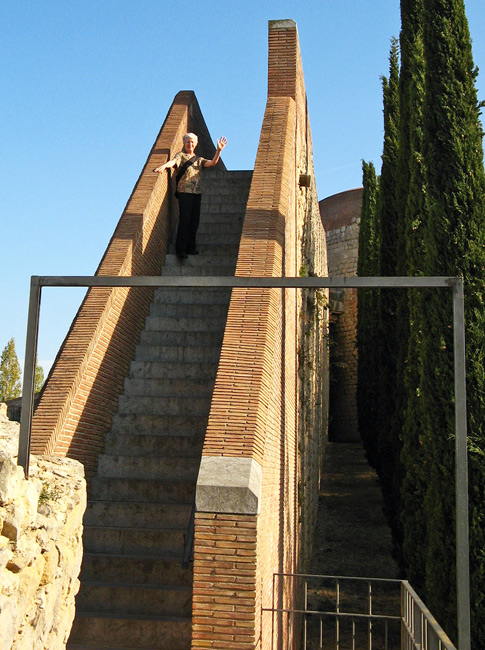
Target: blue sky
[[87, 84]]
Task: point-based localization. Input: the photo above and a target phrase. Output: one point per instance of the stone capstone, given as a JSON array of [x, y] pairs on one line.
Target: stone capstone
[[229, 485]]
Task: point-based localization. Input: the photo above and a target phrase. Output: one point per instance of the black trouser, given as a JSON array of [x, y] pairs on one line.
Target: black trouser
[[189, 217]]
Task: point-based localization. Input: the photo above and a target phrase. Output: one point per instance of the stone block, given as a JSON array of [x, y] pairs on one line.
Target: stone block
[[229, 485], [11, 477]]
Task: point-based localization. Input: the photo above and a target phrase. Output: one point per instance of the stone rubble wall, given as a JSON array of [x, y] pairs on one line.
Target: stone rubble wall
[[40, 545]]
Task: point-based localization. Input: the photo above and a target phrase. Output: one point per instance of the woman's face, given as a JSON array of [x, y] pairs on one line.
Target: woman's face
[[189, 146]]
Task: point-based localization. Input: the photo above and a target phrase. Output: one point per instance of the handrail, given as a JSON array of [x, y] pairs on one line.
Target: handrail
[[419, 629], [410, 598], [189, 539]]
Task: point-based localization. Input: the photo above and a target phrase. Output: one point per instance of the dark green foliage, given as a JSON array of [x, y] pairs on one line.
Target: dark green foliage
[[367, 265], [454, 239], [437, 196], [387, 440], [9, 373], [409, 523]]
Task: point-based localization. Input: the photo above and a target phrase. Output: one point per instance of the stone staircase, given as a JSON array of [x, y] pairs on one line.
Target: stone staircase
[[134, 591]]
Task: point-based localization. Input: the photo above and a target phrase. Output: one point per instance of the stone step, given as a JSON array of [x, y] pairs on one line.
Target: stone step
[[141, 405], [206, 237], [141, 490], [145, 387], [111, 632], [224, 186], [185, 270], [138, 569], [155, 600], [137, 444], [181, 339], [206, 296], [172, 370], [229, 217], [122, 513], [230, 205], [238, 187], [162, 425], [148, 467], [228, 175], [184, 310], [172, 353], [199, 262], [185, 324], [228, 225], [216, 250], [146, 541], [226, 191]]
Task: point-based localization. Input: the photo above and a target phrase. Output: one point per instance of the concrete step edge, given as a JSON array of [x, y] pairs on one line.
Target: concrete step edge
[[148, 529], [165, 557], [133, 617], [148, 586]]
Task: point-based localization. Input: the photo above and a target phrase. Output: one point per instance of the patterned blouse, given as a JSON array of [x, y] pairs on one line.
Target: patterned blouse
[[190, 181]]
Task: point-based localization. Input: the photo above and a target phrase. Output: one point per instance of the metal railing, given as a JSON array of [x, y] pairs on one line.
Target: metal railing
[[455, 284], [420, 630], [189, 540], [352, 613]]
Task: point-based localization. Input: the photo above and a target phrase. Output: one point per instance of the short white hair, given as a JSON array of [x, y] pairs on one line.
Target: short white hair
[[190, 136]]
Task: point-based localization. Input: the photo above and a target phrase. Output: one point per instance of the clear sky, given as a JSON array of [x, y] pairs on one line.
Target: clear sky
[[86, 85]]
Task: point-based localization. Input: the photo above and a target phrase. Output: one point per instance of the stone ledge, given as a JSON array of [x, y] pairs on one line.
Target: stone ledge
[[229, 485]]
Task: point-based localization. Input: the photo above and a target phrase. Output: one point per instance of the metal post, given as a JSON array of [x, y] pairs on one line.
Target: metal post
[[29, 375], [461, 470]]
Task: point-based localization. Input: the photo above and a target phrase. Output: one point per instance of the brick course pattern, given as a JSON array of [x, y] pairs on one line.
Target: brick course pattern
[[266, 405], [341, 220], [81, 392]]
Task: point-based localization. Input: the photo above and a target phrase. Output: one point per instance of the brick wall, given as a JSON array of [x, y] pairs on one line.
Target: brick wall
[[268, 413], [341, 219], [82, 389]]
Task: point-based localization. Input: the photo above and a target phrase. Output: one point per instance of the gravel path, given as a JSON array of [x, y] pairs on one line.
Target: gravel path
[[352, 538]]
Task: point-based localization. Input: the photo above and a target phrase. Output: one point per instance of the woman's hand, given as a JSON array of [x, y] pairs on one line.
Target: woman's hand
[[221, 143], [159, 169]]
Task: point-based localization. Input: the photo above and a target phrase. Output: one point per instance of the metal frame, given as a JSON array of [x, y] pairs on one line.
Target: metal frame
[[453, 283]]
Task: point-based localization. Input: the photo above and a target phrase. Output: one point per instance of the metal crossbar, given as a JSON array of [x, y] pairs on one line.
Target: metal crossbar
[[453, 283]]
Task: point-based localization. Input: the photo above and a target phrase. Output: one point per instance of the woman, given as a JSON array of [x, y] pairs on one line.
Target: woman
[[189, 192]]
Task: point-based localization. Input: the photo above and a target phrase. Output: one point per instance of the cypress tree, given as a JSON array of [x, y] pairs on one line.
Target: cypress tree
[[409, 521], [454, 244], [367, 265], [385, 340]]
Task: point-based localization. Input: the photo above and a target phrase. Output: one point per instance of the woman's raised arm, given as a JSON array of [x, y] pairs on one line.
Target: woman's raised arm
[[221, 143]]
